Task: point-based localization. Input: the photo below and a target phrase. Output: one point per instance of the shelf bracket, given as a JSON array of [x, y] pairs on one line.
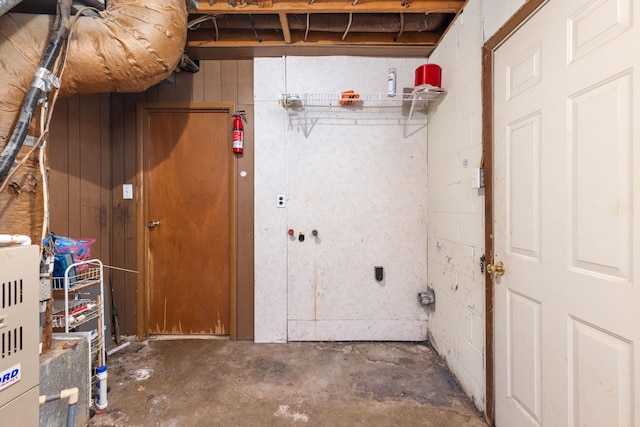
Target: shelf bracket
[[306, 122], [406, 124]]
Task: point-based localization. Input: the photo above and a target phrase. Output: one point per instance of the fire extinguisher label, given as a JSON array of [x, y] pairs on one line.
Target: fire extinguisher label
[[237, 139]]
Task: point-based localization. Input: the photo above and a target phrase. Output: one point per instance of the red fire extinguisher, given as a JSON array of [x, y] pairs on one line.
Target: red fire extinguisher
[[238, 131]]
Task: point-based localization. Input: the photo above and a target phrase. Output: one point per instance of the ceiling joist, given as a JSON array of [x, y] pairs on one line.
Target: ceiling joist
[[244, 38], [327, 6], [278, 27], [284, 23]]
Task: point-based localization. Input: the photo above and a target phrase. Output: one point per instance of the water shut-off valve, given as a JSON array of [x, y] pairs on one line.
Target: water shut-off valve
[[291, 232]]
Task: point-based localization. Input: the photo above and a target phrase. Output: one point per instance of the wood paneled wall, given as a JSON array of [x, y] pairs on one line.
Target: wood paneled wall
[[93, 153], [80, 171]]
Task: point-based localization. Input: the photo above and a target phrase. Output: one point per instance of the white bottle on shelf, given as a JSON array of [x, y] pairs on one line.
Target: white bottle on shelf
[[391, 82]]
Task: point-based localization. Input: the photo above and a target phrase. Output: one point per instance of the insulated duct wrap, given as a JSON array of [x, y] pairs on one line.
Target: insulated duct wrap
[[23, 39], [133, 45], [129, 47], [6, 5]]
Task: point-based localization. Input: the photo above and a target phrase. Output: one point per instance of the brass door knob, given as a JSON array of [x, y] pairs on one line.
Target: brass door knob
[[153, 224], [496, 268]]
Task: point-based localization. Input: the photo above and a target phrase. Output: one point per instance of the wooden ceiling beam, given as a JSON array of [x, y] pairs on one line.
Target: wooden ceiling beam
[[247, 38], [276, 29], [245, 52], [331, 22], [284, 23], [223, 7]]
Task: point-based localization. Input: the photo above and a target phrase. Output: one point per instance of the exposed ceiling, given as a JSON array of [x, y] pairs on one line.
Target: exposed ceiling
[[391, 28], [251, 28]]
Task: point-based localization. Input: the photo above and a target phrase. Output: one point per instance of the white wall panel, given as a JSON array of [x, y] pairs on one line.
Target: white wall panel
[[350, 176], [270, 180]]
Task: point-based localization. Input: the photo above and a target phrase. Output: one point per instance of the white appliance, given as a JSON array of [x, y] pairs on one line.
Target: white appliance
[[19, 335]]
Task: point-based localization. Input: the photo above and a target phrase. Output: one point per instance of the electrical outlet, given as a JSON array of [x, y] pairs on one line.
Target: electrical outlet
[[281, 201]]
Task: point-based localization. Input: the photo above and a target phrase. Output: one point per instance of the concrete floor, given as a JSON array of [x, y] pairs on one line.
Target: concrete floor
[[198, 382]]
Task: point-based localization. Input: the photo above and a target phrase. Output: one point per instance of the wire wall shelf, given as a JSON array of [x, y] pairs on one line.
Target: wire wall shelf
[[402, 106]]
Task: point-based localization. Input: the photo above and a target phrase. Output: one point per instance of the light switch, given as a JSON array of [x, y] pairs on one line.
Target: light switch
[[127, 191]]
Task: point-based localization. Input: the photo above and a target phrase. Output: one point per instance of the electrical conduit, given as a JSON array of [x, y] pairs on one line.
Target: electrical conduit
[[42, 82]]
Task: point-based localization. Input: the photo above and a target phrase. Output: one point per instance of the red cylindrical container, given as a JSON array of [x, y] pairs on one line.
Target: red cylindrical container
[[428, 74]]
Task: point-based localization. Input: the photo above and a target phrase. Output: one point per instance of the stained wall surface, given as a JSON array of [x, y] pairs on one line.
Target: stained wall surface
[[93, 153], [347, 173], [455, 210]]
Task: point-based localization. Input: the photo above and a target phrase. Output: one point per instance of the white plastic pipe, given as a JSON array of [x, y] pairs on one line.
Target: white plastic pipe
[[15, 239], [118, 348]]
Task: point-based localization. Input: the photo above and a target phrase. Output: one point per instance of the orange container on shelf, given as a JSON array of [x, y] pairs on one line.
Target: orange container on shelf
[[348, 98]]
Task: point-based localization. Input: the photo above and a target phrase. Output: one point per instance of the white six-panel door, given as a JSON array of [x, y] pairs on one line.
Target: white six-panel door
[[566, 217]]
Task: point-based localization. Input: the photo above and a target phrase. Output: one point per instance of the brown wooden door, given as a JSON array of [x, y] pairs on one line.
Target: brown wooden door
[[187, 220]]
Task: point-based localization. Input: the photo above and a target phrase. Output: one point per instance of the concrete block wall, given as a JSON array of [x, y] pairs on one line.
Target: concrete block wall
[[455, 210], [65, 365], [496, 13]]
